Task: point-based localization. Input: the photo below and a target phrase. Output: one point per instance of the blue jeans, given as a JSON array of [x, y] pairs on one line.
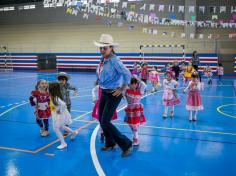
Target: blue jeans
[[107, 106], [43, 123]]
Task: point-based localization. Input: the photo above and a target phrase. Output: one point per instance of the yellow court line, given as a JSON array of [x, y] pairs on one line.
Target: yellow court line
[[49, 154], [55, 141], [46, 146], [175, 129], [16, 149], [219, 110], [76, 118], [51, 143]]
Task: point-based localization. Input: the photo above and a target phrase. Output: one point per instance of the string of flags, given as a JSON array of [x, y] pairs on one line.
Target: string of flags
[[153, 31], [146, 13]]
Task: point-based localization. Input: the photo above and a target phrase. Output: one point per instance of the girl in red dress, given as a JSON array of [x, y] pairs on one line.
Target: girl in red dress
[[40, 100]]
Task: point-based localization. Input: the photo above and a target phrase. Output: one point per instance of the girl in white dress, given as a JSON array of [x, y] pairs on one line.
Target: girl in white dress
[[60, 115]]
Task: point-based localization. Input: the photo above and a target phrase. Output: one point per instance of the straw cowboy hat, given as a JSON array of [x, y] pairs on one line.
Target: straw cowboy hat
[[105, 40], [63, 74]]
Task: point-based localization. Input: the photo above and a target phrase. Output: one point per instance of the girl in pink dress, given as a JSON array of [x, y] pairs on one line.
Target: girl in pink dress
[[96, 93], [170, 97], [135, 69], [155, 79], [220, 71], [134, 110], [194, 101]]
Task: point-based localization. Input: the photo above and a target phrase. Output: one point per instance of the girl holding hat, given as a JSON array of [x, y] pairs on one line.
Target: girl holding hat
[[113, 78], [66, 87], [170, 97], [61, 117]]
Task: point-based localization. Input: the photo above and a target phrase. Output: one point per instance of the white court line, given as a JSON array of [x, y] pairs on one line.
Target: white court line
[[17, 78], [12, 109], [78, 111], [24, 103], [93, 145]]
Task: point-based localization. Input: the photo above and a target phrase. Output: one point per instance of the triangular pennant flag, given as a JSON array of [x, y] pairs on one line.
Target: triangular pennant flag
[[181, 9], [183, 35], [202, 9], [209, 36], [214, 17], [151, 7], [140, 18], [101, 11], [132, 7], [201, 36], [145, 30], [75, 12], [191, 9], [233, 9], [46, 1], [192, 36], [213, 9], [113, 10], [143, 7], [130, 16], [124, 5], [154, 31], [69, 10], [150, 31], [222, 9], [172, 16], [85, 16], [146, 18], [171, 8], [161, 8]]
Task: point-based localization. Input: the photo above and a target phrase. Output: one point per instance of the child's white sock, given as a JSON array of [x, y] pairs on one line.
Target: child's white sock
[[135, 131], [60, 136], [190, 115], [166, 110], [194, 115]]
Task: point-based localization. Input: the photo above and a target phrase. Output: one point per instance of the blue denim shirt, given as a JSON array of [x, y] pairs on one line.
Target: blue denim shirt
[[113, 73]]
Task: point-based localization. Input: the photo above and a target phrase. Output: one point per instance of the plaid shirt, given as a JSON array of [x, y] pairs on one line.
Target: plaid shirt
[[112, 73], [65, 90]]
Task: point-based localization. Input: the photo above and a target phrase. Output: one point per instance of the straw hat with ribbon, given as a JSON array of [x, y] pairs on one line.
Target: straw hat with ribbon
[[105, 40]]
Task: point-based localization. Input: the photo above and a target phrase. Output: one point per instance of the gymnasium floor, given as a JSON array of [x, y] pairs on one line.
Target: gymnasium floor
[[168, 147]]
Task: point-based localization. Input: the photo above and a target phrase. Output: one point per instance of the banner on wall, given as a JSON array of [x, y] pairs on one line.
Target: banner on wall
[[172, 34], [150, 17]]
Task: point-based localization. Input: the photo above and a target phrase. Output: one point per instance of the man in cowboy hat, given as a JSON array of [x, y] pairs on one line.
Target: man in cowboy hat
[[66, 87], [111, 73]]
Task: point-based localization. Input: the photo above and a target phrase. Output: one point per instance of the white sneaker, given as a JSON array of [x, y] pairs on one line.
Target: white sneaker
[[172, 114], [73, 136], [62, 146], [41, 131], [45, 133], [164, 115]]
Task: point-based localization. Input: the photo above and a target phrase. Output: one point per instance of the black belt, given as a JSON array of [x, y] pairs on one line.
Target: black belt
[[108, 90]]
